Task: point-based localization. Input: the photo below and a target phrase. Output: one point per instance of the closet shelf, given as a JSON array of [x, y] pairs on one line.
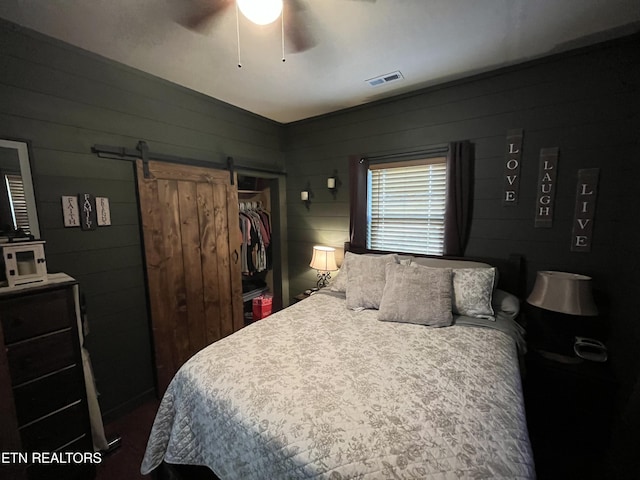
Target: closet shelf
[[254, 294]]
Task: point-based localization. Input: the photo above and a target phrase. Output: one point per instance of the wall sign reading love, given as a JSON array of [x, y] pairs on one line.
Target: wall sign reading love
[[512, 167]]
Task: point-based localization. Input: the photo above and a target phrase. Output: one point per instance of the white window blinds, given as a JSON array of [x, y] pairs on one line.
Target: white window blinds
[[18, 202], [406, 203]]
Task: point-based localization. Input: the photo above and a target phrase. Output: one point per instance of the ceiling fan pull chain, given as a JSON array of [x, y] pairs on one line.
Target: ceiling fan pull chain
[[282, 22], [238, 34]]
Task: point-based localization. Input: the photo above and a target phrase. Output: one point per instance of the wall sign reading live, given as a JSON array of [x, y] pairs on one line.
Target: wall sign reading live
[[586, 196], [58, 458]]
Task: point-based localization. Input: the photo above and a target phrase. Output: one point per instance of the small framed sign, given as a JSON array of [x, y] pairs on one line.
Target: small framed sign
[[513, 158], [546, 194], [70, 212], [586, 197], [103, 212], [87, 203]]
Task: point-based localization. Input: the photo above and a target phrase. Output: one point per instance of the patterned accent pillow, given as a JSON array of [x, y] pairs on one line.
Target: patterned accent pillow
[[417, 294], [472, 292], [366, 279]]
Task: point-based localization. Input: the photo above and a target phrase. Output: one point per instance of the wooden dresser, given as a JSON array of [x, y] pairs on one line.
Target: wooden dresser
[[43, 400]]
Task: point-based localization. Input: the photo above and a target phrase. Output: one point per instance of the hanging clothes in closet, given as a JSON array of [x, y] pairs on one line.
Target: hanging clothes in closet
[[255, 226]]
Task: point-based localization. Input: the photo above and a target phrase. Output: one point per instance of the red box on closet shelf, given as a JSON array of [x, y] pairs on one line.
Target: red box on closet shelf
[[262, 307]]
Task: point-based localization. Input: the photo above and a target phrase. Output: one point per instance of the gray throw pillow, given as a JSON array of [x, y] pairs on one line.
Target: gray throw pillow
[[366, 279], [417, 294], [473, 291], [339, 280]]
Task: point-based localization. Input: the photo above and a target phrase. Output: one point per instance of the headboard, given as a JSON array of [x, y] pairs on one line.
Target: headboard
[[511, 271]]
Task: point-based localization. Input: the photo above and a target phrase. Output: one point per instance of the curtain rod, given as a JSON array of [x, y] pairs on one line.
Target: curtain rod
[[431, 151], [142, 152]]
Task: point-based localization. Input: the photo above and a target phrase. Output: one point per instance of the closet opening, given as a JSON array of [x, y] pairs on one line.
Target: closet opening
[[261, 252]]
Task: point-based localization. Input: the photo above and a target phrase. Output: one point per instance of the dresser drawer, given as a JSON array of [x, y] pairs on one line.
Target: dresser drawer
[[55, 431], [29, 316], [33, 358], [50, 393]]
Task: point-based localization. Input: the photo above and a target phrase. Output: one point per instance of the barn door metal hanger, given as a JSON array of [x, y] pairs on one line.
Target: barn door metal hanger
[[142, 152]]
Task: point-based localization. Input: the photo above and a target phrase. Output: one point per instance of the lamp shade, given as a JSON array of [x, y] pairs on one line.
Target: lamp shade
[[261, 12], [563, 292], [324, 259]]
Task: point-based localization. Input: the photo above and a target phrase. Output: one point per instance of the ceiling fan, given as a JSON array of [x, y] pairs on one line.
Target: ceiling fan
[[198, 14]]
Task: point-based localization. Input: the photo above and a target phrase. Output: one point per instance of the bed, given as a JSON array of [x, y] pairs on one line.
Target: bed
[[334, 388]]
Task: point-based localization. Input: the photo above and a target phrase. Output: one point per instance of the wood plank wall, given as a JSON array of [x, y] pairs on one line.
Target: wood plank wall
[[584, 102], [64, 100]]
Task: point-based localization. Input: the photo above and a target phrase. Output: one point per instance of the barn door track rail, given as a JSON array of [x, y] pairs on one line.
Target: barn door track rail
[[142, 152]]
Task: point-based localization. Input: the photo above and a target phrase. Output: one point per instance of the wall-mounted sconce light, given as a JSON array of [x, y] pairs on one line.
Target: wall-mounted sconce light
[[333, 182], [306, 195]]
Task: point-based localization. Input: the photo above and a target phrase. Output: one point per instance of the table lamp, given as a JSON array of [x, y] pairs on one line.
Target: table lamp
[[324, 261], [565, 293]]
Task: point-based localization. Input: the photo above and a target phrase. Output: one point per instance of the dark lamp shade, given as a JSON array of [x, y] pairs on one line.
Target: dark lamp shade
[[324, 259], [563, 292]]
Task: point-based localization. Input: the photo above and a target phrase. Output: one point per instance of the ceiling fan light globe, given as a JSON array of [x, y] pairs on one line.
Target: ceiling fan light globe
[[261, 12]]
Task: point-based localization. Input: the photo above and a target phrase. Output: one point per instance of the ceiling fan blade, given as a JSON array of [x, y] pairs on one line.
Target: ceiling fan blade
[[197, 14], [297, 26]]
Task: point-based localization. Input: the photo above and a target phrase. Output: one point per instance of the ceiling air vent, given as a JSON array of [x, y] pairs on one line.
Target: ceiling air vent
[[386, 78]]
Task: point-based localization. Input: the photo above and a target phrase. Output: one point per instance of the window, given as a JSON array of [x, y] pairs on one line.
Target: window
[[406, 206], [18, 202]]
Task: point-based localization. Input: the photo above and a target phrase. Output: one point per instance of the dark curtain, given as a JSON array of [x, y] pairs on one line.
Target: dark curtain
[[457, 222], [358, 169]]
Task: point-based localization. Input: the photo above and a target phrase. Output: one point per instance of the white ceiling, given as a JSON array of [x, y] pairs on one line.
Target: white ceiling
[[429, 41]]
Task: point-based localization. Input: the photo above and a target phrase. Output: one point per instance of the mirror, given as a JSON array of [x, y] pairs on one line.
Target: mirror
[[17, 198]]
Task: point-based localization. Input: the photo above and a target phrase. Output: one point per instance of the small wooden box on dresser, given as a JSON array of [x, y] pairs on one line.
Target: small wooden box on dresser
[[43, 400]]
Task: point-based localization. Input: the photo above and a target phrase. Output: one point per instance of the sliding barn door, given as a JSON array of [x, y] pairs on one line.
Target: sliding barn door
[[192, 245]]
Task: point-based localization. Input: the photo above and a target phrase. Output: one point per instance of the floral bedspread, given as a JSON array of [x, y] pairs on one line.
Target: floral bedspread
[[318, 391]]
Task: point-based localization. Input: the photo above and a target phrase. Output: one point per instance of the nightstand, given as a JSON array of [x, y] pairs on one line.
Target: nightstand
[[569, 412], [301, 296]]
